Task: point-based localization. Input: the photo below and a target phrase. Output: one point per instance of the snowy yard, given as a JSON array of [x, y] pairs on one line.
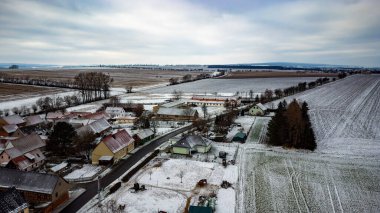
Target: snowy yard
[[87, 172], [168, 175]]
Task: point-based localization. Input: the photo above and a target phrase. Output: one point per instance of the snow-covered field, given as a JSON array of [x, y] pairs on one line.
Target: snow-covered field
[[346, 116], [342, 175], [299, 182], [233, 85]]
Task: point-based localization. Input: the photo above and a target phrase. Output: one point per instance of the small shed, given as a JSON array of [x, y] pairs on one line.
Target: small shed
[[258, 109], [106, 160], [240, 137], [200, 209]]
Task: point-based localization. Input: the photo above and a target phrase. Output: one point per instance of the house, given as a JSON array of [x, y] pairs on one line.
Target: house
[[12, 119], [54, 116], [115, 111], [190, 144], [44, 190], [12, 201], [96, 116], [33, 120], [98, 127], [11, 130], [23, 153], [125, 120], [143, 136], [116, 145], [258, 109], [214, 101], [176, 114], [239, 137]]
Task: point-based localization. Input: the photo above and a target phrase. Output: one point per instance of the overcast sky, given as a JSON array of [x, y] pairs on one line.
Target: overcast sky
[[190, 32]]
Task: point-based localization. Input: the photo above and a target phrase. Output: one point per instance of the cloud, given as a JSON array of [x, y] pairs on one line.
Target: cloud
[[190, 32]]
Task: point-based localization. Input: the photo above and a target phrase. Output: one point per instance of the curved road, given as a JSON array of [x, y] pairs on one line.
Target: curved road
[[119, 170]]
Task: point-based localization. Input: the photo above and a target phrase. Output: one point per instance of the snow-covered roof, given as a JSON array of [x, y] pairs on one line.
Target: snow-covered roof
[[261, 106], [118, 141], [59, 167], [12, 201], [174, 111], [33, 120], [28, 143], [10, 128], [13, 119], [28, 181], [144, 133], [173, 104], [214, 97], [105, 158], [190, 141], [97, 126]]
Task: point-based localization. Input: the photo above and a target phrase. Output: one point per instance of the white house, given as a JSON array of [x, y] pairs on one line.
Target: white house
[[115, 111], [258, 109]]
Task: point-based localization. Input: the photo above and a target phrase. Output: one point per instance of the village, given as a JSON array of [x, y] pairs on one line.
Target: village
[[185, 148]]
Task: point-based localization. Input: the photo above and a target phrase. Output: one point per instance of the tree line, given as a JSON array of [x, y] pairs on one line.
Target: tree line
[[291, 127]]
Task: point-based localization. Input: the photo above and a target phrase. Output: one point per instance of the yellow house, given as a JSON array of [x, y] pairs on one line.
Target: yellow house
[[115, 145]]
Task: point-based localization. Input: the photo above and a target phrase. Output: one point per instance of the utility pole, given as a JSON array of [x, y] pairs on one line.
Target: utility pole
[[99, 192]]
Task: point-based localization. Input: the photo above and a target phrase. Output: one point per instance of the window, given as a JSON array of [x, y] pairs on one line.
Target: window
[[56, 194]]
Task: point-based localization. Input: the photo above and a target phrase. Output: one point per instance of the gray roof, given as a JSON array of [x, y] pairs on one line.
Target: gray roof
[[191, 141], [13, 119], [28, 143], [262, 107], [145, 133], [33, 120], [97, 126], [28, 181], [10, 128], [174, 111]]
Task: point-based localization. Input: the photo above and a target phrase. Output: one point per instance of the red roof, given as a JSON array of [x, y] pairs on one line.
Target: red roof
[[33, 120], [118, 141]]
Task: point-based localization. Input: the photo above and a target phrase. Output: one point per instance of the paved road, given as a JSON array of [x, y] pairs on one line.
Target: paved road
[[119, 170]]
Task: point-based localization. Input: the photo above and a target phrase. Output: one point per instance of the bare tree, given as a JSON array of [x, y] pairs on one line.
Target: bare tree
[[173, 81], [1, 113], [177, 94], [186, 78], [34, 108], [68, 101], [15, 110], [188, 112], [150, 174], [128, 88], [114, 101], [181, 174], [204, 110]]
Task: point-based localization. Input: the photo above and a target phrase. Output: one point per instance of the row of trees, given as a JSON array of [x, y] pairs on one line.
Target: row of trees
[[188, 78], [291, 127], [40, 81], [44, 104], [93, 85]]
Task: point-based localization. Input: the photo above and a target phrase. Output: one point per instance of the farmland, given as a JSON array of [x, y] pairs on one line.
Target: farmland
[[277, 74], [345, 115], [342, 175], [122, 77], [296, 182], [9, 92], [233, 85]]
